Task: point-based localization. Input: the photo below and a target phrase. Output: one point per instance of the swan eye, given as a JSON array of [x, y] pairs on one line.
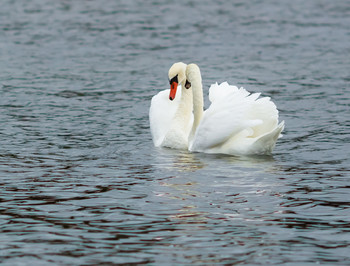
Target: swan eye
[[174, 79], [188, 84]]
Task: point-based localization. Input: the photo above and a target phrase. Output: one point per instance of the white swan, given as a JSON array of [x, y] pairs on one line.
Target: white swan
[[171, 118], [236, 123]]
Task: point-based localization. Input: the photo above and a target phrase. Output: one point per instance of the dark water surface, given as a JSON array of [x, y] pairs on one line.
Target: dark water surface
[[81, 182]]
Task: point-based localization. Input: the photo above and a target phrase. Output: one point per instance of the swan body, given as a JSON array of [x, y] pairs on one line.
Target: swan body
[[236, 122], [171, 119]]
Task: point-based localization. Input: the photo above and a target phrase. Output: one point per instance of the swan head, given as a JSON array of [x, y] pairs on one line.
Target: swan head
[[177, 75]]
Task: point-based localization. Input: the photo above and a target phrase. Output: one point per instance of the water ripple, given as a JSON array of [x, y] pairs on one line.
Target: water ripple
[[81, 182]]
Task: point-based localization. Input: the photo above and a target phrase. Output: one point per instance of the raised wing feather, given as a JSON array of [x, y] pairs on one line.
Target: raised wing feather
[[226, 116]]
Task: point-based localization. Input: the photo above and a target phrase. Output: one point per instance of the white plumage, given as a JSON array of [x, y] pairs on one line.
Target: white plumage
[[168, 128]]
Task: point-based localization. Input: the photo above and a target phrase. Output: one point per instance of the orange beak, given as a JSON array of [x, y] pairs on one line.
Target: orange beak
[[173, 88]]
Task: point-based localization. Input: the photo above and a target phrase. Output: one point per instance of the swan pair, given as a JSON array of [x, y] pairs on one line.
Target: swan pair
[[236, 122]]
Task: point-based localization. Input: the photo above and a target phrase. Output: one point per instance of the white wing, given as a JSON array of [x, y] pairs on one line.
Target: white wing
[[233, 112], [161, 113]]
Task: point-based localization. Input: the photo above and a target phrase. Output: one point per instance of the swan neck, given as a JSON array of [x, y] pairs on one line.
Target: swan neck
[[184, 110], [197, 89]]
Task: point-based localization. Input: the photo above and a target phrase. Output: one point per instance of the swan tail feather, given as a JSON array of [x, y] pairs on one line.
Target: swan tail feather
[[266, 143]]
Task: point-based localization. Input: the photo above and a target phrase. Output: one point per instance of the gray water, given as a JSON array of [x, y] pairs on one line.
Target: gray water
[[82, 184]]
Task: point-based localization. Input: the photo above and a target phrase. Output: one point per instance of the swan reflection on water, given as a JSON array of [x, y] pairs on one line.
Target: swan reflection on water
[[180, 160], [185, 161], [198, 189]]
